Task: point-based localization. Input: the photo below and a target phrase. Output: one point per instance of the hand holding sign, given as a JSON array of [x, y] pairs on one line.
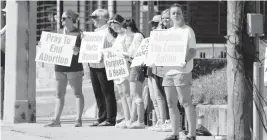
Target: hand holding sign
[[183, 64], [76, 50], [116, 66], [39, 44], [82, 35], [141, 53], [167, 48], [55, 48], [92, 43]]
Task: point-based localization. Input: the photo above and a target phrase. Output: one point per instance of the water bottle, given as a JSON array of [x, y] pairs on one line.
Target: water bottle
[[154, 117]]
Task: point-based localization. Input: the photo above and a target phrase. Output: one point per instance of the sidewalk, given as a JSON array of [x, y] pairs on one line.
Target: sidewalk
[[86, 83], [69, 132]]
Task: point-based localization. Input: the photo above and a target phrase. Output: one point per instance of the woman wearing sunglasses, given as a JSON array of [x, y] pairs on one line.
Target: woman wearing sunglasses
[[122, 83], [73, 74]]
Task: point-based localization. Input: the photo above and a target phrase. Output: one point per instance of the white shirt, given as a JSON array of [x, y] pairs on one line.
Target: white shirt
[[172, 70], [119, 43], [107, 43], [137, 39], [120, 46]]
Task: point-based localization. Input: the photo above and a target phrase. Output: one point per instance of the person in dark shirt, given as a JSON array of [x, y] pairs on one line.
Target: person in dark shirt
[[73, 74]]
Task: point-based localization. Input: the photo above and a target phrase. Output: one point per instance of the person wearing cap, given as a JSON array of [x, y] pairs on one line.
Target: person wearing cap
[[103, 89], [122, 84], [3, 46], [72, 75], [155, 22]]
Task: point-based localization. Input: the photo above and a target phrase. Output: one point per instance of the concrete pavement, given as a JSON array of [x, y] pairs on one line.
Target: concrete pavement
[[69, 132]]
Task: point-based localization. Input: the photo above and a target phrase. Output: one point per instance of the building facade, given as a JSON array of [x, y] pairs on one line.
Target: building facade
[[207, 18]]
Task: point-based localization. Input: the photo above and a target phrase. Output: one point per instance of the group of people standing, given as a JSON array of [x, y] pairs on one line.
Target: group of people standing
[[166, 84]]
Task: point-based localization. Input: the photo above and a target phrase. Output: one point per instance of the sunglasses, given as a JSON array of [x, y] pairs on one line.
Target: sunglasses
[[154, 24], [64, 18], [94, 17], [113, 21]]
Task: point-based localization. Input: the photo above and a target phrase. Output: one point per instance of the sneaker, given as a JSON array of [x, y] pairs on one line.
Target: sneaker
[[94, 124], [158, 127], [54, 123], [166, 127], [78, 123], [128, 124], [137, 125], [152, 128], [106, 123], [122, 124], [172, 137]]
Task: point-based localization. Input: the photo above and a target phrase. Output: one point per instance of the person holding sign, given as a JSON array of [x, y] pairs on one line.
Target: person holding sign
[[137, 75], [178, 79], [73, 74], [103, 89], [119, 47], [158, 94]]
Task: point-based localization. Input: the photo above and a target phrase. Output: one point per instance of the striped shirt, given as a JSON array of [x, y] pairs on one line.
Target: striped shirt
[[108, 43]]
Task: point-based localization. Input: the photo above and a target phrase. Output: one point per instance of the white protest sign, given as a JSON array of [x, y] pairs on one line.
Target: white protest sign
[[115, 65], [167, 48], [141, 53], [156, 41], [91, 45], [56, 49]]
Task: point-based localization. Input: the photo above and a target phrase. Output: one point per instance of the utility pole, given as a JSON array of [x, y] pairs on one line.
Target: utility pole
[[239, 71], [20, 74]]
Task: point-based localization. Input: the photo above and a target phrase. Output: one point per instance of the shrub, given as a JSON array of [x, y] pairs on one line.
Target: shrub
[[207, 66], [210, 89]]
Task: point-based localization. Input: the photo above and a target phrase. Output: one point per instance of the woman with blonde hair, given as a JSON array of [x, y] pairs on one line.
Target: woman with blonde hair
[[160, 102]]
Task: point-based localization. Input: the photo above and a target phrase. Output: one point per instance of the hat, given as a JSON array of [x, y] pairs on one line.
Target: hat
[[100, 13], [72, 14], [156, 18], [116, 18]]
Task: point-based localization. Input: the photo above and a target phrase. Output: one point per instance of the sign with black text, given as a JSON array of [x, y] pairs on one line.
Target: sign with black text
[[167, 48], [56, 48], [91, 45], [116, 66], [141, 53]]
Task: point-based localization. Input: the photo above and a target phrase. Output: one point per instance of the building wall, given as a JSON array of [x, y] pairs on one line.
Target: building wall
[[124, 8]]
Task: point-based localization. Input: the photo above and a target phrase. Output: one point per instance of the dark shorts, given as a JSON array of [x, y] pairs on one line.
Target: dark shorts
[[181, 79], [137, 74]]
